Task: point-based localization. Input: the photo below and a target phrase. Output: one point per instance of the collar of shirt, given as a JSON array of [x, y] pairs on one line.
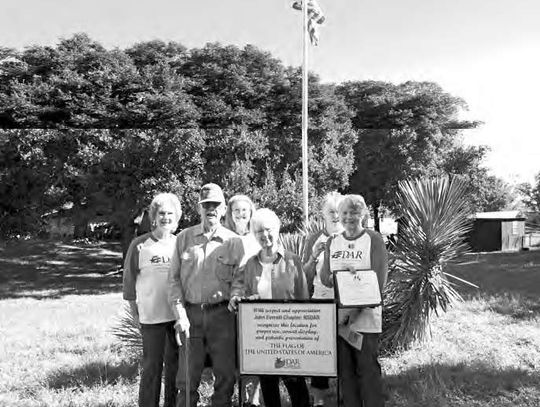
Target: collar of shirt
[[280, 252], [219, 234]]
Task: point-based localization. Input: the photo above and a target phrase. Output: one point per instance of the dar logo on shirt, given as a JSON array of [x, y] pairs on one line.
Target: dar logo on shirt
[[160, 259], [347, 254]]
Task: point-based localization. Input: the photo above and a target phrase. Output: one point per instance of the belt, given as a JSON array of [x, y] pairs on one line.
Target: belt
[[208, 305]]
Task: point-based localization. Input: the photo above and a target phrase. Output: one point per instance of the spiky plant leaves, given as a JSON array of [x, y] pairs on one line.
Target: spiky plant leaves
[[293, 242], [314, 225], [296, 242], [128, 330], [432, 233]]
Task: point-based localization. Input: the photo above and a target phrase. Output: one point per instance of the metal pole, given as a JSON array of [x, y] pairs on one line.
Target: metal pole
[[305, 111]]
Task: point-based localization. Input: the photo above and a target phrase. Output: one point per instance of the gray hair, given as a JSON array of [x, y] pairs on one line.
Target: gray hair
[[162, 199], [356, 202], [333, 197], [262, 215]]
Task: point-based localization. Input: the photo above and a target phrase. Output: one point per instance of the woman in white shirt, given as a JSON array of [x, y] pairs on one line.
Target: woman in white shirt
[[145, 286]]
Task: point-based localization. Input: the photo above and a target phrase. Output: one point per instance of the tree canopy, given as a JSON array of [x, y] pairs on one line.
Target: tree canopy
[[531, 194], [410, 130], [105, 129]]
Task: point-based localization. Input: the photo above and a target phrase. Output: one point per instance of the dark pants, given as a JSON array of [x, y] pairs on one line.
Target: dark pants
[[212, 333], [359, 373], [296, 386], [159, 345]]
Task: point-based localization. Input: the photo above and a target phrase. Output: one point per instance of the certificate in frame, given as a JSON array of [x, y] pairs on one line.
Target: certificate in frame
[[358, 289]]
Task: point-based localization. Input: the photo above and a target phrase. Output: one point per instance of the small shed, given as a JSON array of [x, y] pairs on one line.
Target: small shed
[[497, 231]]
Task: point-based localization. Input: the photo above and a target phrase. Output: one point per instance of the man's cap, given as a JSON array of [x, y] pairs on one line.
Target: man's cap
[[211, 193]]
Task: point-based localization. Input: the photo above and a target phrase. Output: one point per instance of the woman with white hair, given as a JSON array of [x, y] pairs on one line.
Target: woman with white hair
[[313, 260], [145, 287], [273, 274]]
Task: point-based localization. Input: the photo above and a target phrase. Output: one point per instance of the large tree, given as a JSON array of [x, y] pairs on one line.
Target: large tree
[[403, 131], [240, 107], [531, 194], [250, 108], [137, 164], [106, 174], [484, 192], [80, 84], [29, 168]]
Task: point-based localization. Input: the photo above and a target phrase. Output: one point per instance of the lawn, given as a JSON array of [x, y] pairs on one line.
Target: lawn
[[58, 302]]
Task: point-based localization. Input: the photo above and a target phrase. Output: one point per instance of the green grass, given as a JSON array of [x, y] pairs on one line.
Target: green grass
[[58, 303], [485, 351], [476, 357], [59, 352]]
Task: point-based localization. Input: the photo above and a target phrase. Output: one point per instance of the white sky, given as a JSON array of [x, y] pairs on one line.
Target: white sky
[[485, 51]]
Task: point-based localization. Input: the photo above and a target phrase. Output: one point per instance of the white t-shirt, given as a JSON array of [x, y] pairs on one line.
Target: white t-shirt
[[264, 286], [251, 247], [151, 285]]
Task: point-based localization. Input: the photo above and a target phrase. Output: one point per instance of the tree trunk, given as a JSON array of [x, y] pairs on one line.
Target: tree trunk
[[80, 222], [80, 229], [128, 233], [377, 221]]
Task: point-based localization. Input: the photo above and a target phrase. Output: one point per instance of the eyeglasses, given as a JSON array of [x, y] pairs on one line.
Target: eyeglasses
[[267, 230]]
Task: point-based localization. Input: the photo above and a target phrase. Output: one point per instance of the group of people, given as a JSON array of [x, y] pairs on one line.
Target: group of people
[[184, 291]]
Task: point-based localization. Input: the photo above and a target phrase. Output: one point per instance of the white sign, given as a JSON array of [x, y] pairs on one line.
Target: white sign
[[291, 338], [358, 289]]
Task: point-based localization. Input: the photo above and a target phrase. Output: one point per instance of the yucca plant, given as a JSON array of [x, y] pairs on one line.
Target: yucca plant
[[296, 242], [127, 330], [434, 222]]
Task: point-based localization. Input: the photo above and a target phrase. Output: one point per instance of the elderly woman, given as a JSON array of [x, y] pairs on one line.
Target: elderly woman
[[313, 260], [145, 287], [357, 248], [274, 274]]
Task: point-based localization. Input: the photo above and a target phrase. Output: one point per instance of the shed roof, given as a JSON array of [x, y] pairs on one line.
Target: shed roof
[[500, 215]]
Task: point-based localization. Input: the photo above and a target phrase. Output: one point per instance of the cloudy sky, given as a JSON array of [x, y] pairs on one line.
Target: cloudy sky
[[485, 51]]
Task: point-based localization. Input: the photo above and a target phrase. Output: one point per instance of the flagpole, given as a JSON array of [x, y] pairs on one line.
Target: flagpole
[[305, 111]]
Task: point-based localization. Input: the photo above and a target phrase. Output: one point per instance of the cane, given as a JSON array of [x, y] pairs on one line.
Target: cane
[[186, 354]]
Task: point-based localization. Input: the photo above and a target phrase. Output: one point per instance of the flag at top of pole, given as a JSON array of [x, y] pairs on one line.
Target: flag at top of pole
[[315, 18]]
